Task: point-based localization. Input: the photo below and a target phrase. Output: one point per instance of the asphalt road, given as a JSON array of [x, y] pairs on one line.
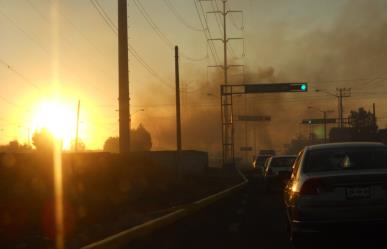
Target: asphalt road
[[249, 219]]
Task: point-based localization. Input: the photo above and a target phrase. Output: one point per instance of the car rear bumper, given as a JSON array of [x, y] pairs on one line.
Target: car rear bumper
[[276, 180]]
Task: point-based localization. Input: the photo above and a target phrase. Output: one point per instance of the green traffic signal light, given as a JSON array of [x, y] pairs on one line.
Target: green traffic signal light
[[303, 87]]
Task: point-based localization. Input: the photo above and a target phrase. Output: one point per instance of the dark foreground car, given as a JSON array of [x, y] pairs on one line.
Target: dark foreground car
[[337, 186]]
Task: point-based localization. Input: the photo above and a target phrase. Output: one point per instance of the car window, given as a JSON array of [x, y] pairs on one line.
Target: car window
[[282, 162], [346, 159]]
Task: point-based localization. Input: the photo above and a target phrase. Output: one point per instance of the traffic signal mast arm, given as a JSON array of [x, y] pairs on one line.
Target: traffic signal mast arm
[[264, 88]]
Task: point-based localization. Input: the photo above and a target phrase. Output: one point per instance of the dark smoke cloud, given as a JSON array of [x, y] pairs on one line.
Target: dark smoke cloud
[[354, 46]]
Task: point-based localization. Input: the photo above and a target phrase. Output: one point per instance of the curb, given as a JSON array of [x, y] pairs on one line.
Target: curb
[[120, 239]]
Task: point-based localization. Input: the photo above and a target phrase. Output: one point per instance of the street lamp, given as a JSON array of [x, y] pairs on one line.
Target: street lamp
[[325, 120]]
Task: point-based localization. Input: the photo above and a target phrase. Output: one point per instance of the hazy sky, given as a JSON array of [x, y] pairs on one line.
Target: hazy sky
[[300, 40]]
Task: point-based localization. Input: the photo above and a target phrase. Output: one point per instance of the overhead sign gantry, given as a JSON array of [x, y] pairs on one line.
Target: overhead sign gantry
[[227, 91]]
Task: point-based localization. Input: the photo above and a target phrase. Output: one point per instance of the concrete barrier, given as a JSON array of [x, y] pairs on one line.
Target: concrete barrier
[[119, 240]]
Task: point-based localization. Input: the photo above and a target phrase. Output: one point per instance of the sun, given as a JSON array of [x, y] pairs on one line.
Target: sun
[[58, 117]]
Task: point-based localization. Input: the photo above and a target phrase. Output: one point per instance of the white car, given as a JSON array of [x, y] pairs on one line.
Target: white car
[[338, 186]]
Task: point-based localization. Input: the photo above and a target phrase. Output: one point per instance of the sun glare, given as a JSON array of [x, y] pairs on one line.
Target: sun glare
[[59, 118]]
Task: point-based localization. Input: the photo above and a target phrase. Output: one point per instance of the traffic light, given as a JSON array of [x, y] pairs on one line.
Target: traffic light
[[298, 87], [276, 88]]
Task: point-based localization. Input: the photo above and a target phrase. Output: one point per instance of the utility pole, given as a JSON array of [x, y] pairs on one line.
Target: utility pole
[[77, 127], [226, 102], [123, 62], [342, 93], [324, 121], [178, 118], [374, 116]]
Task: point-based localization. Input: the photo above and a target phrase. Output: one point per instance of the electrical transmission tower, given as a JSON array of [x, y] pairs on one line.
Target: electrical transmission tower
[[226, 101]]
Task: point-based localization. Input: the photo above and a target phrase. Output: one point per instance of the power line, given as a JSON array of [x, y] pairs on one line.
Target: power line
[[23, 31], [215, 7], [38, 44], [131, 50], [70, 44], [79, 31], [104, 16], [25, 79], [349, 80], [235, 24], [159, 33], [179, 17], [9, 102], [206, 31]]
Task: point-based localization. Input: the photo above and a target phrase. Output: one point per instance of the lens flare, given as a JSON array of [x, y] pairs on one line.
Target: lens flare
[[58, 117]]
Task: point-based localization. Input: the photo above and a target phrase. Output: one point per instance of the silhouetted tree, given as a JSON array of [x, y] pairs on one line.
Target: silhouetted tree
[[15, 147], [141, 140], [111, 145], [362, 119], [43, 140]]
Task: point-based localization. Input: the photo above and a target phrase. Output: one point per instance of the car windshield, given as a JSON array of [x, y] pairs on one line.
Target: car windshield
[[346, 159], [282, 161]]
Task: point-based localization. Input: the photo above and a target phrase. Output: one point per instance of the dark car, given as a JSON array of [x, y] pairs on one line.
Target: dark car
[[259, 163], [278, 170]]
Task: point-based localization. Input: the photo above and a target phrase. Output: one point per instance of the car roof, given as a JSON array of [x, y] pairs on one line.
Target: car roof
[[344, 145], [264, 155], [281, 156]]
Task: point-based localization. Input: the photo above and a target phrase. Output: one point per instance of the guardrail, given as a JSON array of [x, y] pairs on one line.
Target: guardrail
[[119, 240]]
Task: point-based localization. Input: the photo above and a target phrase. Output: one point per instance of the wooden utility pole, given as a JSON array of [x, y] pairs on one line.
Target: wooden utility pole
[[77, 127], [123, 62], [342, 93], [178, 118]]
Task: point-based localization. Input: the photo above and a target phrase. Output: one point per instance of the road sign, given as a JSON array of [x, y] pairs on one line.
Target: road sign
[[246, 148], [253, 118], [278, 87], [313, 121]]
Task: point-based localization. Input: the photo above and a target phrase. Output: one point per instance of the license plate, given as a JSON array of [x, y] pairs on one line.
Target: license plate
[[355, 193]]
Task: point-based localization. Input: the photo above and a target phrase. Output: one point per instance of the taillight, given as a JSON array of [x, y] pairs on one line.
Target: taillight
[[313, 186]]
